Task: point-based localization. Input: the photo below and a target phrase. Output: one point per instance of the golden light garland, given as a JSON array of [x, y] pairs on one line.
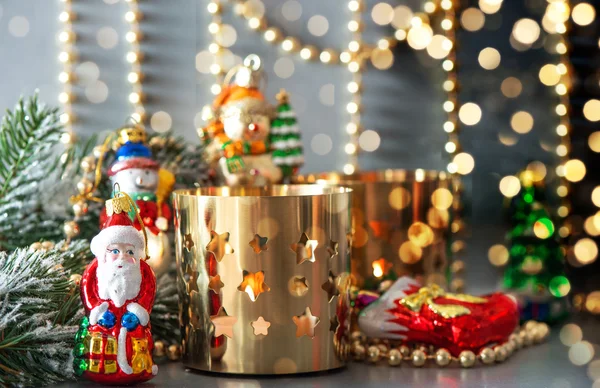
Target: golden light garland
[[134, 57], [66, 56]]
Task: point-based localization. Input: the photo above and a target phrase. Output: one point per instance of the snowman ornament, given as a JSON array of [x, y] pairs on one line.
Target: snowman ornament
[[239, 139], [135, 171]]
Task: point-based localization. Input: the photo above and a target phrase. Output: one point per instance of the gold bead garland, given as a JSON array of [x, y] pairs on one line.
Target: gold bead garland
[[373, 350]]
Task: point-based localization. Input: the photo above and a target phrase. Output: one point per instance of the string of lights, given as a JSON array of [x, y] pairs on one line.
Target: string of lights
[[66, 56], [217, 69], [415, 28], [135, 57]]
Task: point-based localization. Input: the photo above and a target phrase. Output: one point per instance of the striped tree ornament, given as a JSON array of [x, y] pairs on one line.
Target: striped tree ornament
[[285, 138]]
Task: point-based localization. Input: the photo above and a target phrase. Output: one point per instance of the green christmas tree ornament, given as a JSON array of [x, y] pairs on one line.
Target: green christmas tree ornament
[[535, 269]]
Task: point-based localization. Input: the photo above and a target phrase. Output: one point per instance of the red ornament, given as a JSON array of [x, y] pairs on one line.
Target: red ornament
[[429, 315], [114, 344]]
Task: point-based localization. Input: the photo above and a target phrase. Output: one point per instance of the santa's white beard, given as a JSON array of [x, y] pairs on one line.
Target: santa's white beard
[[119, 284]]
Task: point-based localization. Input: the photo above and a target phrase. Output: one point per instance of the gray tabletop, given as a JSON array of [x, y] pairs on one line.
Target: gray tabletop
[[545, 365]]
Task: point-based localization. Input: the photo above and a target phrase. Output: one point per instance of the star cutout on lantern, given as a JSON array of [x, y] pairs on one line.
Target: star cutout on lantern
[[332, 249], [259, 243], [306, 323], [253, 284], [304, 249], [192, 281], [188, 243], [381, 267], [298, 286], [215, 283], [334, 323], [261, 327], [219, 245], [329, 287], [223, 323]]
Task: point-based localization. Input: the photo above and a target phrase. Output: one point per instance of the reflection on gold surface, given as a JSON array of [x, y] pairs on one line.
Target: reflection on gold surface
[[420, 234], [223, 323], [298, 285], [219, 245], [304, 249], [410, 253], [385, 204]]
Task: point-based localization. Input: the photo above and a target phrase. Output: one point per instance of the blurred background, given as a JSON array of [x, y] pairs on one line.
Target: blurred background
[[505, 98], [486, 92]]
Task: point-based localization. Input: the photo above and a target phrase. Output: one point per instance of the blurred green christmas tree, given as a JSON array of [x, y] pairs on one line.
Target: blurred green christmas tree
[[535, 270]]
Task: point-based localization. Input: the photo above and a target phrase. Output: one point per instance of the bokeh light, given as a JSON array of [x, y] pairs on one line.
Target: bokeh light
[[470, 113], [521, 122], [489, 58], [574, 170], [586, 251], [526, 31], [559, 286], [442, 198], [382, 14], [591, 110], [472, 19], [549, 75], [594, 141], [581, 353], [510, 186], [399, 198], [498, 255], [570, 334], [464, 163], [583, 14], [420, 234], [511, 87]]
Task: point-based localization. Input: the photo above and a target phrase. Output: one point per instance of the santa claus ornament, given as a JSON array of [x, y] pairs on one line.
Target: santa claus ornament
[[114, 342], [136, 172], [249, 141]]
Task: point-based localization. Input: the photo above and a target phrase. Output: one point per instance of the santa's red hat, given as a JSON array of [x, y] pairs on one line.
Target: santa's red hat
[[118, 228]]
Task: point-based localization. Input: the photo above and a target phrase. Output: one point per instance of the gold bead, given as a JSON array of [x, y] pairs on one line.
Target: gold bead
[[405, 351], [542, 332], [500, 353], [510, 348], [514, 338], [418, 358], [530, 325], [358, 351], [159, 349], [373, 354], [173, 352], [394, 357], [358, 336], [80, 208], [88, 164], [85, 186], [442, 357], [467, 358], [71, 229], [487, 356], [528, 339], [383, 348], [36, 246], [47, 245], [75, 278]]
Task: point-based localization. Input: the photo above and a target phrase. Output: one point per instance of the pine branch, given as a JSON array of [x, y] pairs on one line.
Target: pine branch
[[39, 313], [29, 136]]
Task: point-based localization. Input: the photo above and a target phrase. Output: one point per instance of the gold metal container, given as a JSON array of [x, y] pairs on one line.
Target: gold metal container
[[400, 223], [263, 276]]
